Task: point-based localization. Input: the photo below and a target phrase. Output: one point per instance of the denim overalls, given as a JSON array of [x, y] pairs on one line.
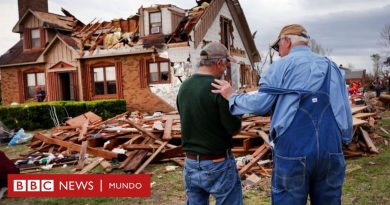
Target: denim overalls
[[308, 156]]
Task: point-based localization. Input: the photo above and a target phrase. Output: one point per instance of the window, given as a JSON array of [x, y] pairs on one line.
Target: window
[[33, 80], [226, 31], [35, 38], [104, 80], [243, 75], [155, 22], [159, 72]]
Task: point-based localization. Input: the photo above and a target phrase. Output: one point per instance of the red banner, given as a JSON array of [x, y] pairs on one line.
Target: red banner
[[75, 185]]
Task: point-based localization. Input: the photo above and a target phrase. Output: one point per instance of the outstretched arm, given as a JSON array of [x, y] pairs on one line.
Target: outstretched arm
[[239, 104]]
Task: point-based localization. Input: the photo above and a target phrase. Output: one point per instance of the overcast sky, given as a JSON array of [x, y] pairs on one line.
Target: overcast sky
[[350, 29]]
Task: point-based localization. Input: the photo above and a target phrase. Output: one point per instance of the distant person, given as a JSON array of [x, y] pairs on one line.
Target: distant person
[[40, 94], [311, 120], [377, 86], [207, 130]]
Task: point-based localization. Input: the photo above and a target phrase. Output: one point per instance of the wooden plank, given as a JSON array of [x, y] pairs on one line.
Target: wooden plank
[[90, 166], [170, 153], [246, 144], [383, 130], [140, 169], [258, 119], [141, 147], [369, 142], [111, 119], [173, 117], [76, 121], [76, 147], [107, 167], [83, 151], [261, 151], [83, 131], [363, 115], [371, 122], [92, 117], [253, 134], [136, 161], [141, 129], [247, 125], [68, 127], [168, 130], [349, 154], [239, 136], [240, 150], [131, 155], [358, 109], [51, 149], [357, 122], [264, 136]]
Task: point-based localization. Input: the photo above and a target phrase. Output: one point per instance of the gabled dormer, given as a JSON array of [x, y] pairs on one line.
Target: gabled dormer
[[159, 19], [34, 38], [37, 28], [32, 32]]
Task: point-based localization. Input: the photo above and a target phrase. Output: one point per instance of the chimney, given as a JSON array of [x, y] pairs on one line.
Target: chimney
[[35, 5]]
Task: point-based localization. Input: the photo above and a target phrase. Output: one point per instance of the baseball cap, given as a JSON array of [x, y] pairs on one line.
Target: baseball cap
[[292, 29], [215, 50]]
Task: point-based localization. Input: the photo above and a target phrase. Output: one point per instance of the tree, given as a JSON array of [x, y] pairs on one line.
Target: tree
[[385, 36], [387, 61], [376, 64], [317, 48]]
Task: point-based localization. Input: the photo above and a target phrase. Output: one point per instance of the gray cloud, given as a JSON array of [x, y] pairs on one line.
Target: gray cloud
[[350, 28], [350, 32]]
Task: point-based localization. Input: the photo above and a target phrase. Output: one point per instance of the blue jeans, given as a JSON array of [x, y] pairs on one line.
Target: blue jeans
[[378, 92], [220, 179]]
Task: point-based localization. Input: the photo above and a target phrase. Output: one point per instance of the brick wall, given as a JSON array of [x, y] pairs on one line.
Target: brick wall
[[137, 98], [10, 86], [35, 5]]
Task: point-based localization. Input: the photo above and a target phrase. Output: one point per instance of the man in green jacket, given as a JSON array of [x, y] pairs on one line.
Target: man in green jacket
[[207, 129]]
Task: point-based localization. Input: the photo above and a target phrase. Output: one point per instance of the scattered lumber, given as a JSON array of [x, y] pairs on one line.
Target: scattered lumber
[[369, 142], [90, 166], [256, 156], [136, 141]]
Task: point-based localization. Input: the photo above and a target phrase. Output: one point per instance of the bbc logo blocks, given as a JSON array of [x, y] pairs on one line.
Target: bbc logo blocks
[[34, 185]]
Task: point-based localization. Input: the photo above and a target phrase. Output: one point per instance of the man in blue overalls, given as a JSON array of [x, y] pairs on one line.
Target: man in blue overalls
[[311, 120]]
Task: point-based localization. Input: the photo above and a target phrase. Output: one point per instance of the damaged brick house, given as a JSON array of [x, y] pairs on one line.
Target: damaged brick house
[[141, 59]]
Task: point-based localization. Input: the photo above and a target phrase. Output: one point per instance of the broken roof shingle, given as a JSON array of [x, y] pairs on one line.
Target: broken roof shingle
[[56, 21], [15, 55]]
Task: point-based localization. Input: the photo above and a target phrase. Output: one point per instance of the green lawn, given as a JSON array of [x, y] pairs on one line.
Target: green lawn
[[368, 185]]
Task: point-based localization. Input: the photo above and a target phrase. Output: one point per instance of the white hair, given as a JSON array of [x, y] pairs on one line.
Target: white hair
[[296, 39]]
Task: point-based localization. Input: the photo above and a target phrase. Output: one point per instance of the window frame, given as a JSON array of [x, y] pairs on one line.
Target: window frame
[[105, 82], [34, 71], [229, 31], [32, 39], [150, 23], [158, 61], [28, 40]]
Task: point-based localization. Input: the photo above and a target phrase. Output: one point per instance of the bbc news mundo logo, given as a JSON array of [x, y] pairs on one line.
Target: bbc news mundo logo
[[75, 185]]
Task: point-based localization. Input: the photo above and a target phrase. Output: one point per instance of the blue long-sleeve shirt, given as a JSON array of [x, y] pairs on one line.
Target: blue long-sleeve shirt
[[301, 69]]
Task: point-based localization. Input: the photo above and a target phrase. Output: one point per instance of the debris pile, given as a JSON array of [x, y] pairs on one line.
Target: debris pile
[[131, 141], [364, 136]]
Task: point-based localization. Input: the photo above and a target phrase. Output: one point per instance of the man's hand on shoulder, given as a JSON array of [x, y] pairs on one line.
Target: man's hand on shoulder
[[222, 87]]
